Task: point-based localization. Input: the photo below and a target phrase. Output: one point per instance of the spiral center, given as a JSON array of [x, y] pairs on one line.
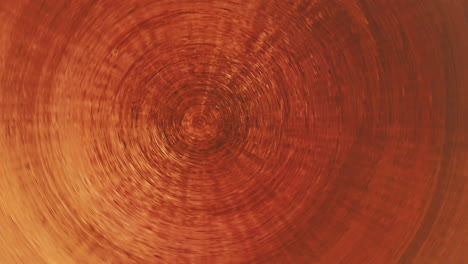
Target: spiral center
[[201, 123]]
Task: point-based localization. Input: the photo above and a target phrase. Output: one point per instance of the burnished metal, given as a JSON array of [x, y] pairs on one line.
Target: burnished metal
[[175, 131]]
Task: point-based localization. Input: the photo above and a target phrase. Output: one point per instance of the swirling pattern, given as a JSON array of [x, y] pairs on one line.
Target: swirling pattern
[[213, 131]]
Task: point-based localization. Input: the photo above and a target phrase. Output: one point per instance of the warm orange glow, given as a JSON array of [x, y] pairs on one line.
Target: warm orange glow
[[278, 131]]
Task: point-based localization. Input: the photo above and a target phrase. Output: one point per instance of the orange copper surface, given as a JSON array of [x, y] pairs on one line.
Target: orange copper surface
[[274, 131]]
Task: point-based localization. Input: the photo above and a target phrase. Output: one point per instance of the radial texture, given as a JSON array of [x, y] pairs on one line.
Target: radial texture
[[262, 131]]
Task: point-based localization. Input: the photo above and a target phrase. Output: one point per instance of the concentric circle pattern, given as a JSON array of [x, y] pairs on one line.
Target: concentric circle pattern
[[214, 131]]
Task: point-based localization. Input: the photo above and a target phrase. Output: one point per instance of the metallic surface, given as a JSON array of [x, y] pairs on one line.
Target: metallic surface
[[276, 131]]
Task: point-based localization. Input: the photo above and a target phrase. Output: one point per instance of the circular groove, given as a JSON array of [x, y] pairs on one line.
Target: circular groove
[[233, 131]]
